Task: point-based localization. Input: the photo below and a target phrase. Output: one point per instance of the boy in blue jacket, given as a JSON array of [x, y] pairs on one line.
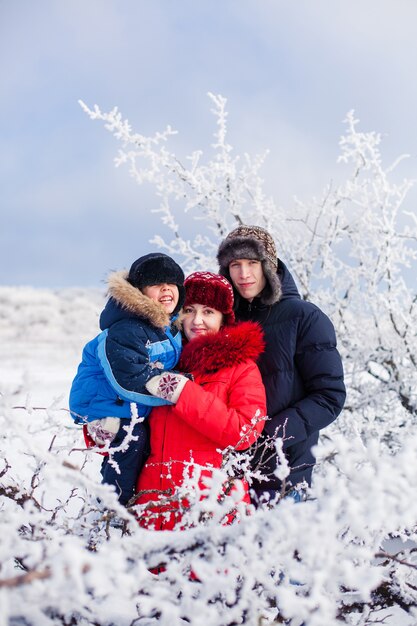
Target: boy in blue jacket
[[139, 340]]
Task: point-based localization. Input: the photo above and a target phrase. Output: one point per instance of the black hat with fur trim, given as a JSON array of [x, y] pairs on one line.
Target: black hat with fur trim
[[157, 268], [252, 242]]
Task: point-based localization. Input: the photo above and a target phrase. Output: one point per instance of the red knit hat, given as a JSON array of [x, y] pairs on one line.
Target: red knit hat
[[211, 290]]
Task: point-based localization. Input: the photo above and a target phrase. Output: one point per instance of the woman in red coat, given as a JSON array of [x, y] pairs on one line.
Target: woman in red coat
[[224, 405]]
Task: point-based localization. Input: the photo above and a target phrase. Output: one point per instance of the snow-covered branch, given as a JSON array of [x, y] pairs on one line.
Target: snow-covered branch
[[346, 554]]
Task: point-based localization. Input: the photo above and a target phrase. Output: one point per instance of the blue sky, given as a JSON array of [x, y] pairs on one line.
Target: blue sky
[[290, 71]]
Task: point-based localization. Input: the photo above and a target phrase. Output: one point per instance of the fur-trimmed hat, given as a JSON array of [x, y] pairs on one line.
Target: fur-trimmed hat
[[157, 268], [213, 291], [252, 242]]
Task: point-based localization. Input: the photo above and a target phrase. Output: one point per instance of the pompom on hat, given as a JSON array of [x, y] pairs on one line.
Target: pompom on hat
[[252, 242], [211, 290]]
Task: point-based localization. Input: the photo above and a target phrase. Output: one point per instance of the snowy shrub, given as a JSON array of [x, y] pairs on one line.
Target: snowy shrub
[[350, 251], [348, 554]]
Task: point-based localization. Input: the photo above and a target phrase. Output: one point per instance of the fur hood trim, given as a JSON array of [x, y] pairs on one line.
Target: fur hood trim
[[230, 346], [133, 300]]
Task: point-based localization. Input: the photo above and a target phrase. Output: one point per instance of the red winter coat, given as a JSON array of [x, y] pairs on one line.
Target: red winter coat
[[212, 412]]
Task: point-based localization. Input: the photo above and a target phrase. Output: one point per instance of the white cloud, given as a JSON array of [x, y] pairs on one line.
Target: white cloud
[[290, 71]]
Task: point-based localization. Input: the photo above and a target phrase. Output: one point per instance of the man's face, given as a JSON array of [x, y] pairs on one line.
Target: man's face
[[248, 277]]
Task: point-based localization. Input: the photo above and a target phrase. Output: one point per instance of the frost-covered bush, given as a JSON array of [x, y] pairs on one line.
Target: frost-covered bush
[[62, 561], [348, 554], [353, 251]]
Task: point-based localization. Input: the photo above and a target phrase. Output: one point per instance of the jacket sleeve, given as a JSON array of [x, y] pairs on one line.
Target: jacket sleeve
[[125, 360], [230, 423], [319, 365]]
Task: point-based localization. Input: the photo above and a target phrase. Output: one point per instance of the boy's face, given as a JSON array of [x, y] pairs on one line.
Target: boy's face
[[166, 294], [248, 277]]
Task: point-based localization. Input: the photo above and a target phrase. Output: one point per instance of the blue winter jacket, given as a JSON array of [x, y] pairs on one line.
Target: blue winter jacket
[[303, 376], [137, 342]]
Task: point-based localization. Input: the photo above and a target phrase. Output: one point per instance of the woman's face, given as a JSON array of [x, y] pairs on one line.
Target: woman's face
[[200, 319]]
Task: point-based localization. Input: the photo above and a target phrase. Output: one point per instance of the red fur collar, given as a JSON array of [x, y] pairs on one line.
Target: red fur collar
[[230, 346]]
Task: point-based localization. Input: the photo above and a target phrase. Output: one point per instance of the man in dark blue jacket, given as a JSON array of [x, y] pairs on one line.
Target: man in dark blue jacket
[[301, 367]]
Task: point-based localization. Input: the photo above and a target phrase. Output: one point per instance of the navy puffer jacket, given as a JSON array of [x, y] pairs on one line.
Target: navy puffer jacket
[[138, 341], [303, 376]]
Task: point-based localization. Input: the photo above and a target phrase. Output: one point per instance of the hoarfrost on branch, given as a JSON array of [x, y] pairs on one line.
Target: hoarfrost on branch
[[347, 554]]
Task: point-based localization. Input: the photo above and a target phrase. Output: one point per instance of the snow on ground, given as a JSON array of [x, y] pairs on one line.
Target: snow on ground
[[42, 334]]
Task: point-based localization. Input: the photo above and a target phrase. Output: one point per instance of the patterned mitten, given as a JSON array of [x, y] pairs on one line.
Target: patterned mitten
[[103, 431], [167, 386]]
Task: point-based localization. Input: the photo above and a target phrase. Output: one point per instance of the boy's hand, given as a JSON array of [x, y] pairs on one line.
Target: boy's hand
[[103, 431], [167, 386]]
